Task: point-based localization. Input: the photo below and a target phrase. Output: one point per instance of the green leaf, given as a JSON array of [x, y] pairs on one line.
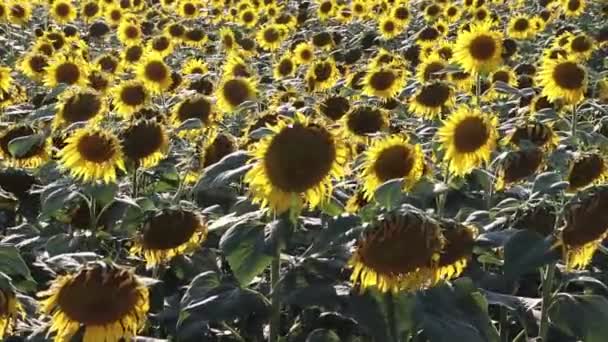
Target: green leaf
[[103, 193], [389, 193], [333, 234], [545, 181], [332, 207], [526, 251], [56, 200], [20, 146], [227, 164], [11, 262], [581, 316], [323, 335], [227, 304], [277, 234], [245, 249]]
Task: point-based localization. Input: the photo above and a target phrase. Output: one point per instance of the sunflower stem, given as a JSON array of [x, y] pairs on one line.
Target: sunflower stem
[[574, 124], [135, 193], [390, 313], [547, 283], [504, 331], [275, 316]]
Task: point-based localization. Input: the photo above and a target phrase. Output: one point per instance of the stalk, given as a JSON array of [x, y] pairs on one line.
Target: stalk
[[548, 279]]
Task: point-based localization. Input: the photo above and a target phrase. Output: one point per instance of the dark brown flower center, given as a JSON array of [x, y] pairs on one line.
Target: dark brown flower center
[[236, 92], [156, 71], [322, 71], [335, 107], [18, 11], [132, 32], [63, 10], [248, 17], [160, 43], [90, 9], [433, 10], [189, 9], [382, 80], [502, 76], [521, 24], [81, 107], [142, 140], [581, 44], [285, 67], [388, 26], [38, 62], [197, 108], [67, 73], [433, 71], [96, 148], [521, 164], [271, 35], [108, 64], [586, 220], [394, 162], [459, 242], [176, 30], [365, 120], [325, 7], [429, 33], [470, 134], [221, 146], [299, 158], [133, 53], [569, 75], [434, 94], [586, 170], [133, 95], [97, 81], [483, 48], [195, 35], [574, 5]]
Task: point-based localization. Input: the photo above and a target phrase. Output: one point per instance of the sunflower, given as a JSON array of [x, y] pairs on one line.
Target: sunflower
[[389, 27], [334, 107], [169, 233], [468, 137], [154, 73], [79, 105], [234, 91], [389, 158], [520, 27], [535, 133], [384, 81], [195, 38], [129, 33], [33, 65], [10, 308], [194, 66], [581, 47], [398, 252], [92, 154], [504, 75], [99, 80], [432, 99], [563, 79], [130, 96], [6, 80], [175, 30], [161, 45], [322, 75], [217, 148], [114, 15], [458, 249], [109, 63], [89, 10], [64, 69], [479, 50], [586, 169], [248, 18], [131, 55], [270, 36], [236, 66], [518, 166], [195, 107], [431, 68], [63, 11], [294, 166], [359, 8], [284, 67], [452, 13], [585, 227], [35, 156], [19, 12], [189, 9], [432, 12], [362, 121], [304, 53], [326, 9], [429, 35], [574, 8], [145, 143], [120, 302]]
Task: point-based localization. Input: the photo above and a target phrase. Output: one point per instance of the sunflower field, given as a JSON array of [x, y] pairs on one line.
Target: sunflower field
[[304, 170]]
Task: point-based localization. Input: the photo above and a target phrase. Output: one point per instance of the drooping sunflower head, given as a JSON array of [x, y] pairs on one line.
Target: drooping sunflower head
[[362, 121], [169, 233], [563, 79], [535, 132], [79, 105], [431, 99], [479, 50], [518, 166], [295, 166], [217, 148], [130, 96], [195, 37], [161, 45], [384, 81], [145, 143], [586, 169], [429, 35], [458, 249], [117, 309], [35, 156], [398, 252], [468, 137], [68, 70], [389, 158], [234, 91], [585, 227], [108, 63], [92, 154]]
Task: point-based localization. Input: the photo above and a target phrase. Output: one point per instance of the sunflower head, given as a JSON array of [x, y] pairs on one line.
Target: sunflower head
[[334, 107], [169, 233], [458, 249], [586, 169], [144, 142], [397, 252], [79, 105], [117, 310], [68, 70], [391, 158], [91, 154], [519, 165], [322, 75], [217, 148], [384, 81], [285, 67], [480, 49], [154, 73], [234, 91], [32, 158], [564, 79], [585, 226], [431, 99], [286, 174], [362, 121], [468, 137], [130, 96]]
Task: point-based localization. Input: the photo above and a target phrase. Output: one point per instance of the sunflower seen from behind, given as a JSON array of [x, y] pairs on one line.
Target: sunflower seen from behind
[[388, 158], [468, 138], [92, 154], [294, 167], [169, 233], [120, 300]]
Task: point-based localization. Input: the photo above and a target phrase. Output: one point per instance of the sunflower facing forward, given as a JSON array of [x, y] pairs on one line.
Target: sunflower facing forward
[[110, 303], [92, 154], [391, 158], [169, 233], [145, 143], [468, 137], [479, 50], [232, 92], [66, 70], [563, 79], [79, 105], [154, 73], [384, 81], [295, 166]]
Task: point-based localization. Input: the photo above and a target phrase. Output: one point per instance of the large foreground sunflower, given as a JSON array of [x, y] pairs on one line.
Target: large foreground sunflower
[[391, 158], [110, 303], [399, 251], [169, 233], [92, 154], [295, 166], [468, 137], [479, 50], [563, 79]]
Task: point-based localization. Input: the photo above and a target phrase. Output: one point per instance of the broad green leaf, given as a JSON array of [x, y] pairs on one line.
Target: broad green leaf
[[227, 304], [581, 316], [389, 194], [245, 249], [20, 146], [11, 262], [526, 251]]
